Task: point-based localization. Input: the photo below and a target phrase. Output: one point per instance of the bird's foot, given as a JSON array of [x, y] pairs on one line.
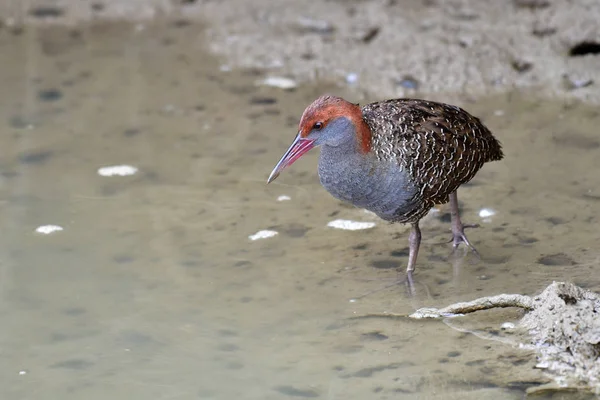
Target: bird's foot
[[459, 236]]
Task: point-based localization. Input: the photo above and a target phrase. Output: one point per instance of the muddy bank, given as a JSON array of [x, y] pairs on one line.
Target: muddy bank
[[439, 49], [561, 326], [565, 329]]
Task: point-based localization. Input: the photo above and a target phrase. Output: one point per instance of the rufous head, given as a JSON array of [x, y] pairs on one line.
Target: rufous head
[[329, 120]]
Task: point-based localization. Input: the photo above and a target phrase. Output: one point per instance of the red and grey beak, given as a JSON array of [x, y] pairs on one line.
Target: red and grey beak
[[298, 147]]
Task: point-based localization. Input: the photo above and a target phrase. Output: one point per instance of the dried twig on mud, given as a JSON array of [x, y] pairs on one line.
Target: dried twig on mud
[[457, 309]]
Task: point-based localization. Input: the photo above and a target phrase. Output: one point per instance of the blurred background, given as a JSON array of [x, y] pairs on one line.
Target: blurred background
[[142, 256]]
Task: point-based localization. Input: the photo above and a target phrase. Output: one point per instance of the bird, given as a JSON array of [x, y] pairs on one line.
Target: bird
[[397, 158]]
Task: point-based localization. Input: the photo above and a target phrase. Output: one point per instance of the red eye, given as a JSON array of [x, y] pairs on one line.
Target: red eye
[[318, 126]]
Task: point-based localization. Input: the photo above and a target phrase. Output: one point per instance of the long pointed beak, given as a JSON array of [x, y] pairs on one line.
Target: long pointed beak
[[298, 147]]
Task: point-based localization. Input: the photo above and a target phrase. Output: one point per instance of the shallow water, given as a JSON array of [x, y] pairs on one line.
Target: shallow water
[[154, 290]]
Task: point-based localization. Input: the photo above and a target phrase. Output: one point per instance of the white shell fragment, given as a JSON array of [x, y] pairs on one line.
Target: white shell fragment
[[48, 229], [263, 235], [350, 225], [283, 197], [315, 25], [117, 170], [279, 82], [507, 326], [486, 213], [352, 78]]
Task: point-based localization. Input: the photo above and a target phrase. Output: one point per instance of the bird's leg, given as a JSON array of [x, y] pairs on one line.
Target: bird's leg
[[414, 241], [458, 229]]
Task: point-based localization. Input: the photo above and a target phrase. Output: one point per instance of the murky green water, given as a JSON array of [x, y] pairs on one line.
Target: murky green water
[[153, 289]]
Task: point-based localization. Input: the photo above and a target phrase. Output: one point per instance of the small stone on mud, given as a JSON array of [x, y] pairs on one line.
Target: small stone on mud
[[131, 132], [532, 4], [385, 264], [50, 94], [543, 31], [97, 7], [521, 65], [555, 220], [292, 391], [556, 260], [408, 82], [37, 157], [46, 12], [370, 34], [400, 253], [296, 230], [263, 100], [374, 336], [576, 140], [20, 122]]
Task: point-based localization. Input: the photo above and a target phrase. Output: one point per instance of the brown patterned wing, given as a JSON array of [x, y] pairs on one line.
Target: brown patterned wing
[[439, 145]]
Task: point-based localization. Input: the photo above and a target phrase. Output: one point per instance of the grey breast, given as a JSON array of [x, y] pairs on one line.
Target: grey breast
[[366, 182]]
